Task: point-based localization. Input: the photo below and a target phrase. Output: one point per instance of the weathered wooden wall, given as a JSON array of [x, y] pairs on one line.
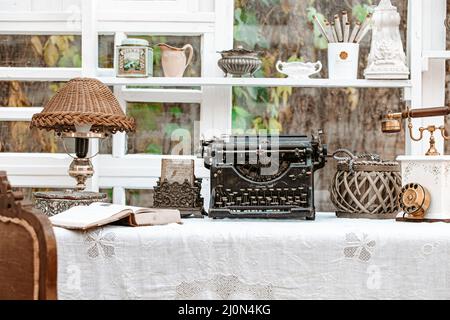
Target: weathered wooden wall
[[349, 117]]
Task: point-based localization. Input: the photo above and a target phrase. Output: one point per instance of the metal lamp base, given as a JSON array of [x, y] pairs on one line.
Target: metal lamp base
[[54, 202]]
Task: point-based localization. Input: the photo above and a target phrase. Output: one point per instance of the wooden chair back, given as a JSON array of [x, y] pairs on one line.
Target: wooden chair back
[[28, 263]]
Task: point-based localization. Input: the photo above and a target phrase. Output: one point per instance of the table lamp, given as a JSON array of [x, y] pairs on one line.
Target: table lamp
[[83, 109]]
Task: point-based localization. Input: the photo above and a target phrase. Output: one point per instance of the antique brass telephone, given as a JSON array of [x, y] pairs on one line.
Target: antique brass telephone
[[392, 123]]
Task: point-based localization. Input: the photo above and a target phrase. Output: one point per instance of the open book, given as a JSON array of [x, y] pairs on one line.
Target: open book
[[100, 214]]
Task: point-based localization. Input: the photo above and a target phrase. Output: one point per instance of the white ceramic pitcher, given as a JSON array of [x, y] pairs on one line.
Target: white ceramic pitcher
[[174, 60]]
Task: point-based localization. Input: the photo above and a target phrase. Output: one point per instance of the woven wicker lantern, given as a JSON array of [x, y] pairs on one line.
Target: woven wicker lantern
[[366, 187], [83, 109]]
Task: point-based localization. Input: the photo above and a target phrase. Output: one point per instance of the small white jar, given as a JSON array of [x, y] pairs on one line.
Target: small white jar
[[343, 60]]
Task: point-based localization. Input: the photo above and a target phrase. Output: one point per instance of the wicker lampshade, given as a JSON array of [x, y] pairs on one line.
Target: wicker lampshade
[[83, 101]]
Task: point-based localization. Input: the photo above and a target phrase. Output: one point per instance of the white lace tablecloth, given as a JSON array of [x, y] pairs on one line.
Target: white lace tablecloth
[[328, 258]]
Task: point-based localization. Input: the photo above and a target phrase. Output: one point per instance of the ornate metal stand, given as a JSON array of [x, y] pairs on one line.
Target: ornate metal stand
[[184, 197]]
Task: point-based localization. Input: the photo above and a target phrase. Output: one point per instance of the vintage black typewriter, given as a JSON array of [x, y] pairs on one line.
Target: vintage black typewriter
[[263, 176]]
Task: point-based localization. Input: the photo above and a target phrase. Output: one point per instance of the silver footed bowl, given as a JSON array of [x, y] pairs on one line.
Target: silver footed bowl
[[239, 66]]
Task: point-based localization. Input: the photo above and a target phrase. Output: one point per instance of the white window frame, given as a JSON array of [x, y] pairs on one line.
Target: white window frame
[[120, 171], [426, 51]]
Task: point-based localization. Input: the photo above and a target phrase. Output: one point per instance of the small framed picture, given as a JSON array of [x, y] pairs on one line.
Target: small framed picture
[[177, 170]]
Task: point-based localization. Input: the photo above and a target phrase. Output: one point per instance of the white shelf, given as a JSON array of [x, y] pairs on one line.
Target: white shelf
[[255, 82], [38, 74], [65, 74], [437, 54]]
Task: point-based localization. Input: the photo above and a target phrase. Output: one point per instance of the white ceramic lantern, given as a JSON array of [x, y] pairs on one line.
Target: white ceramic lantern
[[387, 59]]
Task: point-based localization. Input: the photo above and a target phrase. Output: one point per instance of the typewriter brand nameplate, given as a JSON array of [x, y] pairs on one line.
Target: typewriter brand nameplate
[[177, 171]]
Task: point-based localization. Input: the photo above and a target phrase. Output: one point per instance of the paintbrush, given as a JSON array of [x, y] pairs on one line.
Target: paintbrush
[[329, 31], [362, 34], [366, 22], [347, 32], [365, 27], [333, 29], [321, 28], [354, 32], [345, 25], [338, 28]]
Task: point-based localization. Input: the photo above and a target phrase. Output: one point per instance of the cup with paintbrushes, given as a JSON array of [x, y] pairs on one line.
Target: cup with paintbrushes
[[343, 44]]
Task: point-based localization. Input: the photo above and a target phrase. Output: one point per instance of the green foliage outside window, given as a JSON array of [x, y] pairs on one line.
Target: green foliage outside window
[[257, 109]]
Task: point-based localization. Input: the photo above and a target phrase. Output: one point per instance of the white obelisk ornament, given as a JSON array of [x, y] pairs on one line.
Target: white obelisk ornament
[[387, 59]]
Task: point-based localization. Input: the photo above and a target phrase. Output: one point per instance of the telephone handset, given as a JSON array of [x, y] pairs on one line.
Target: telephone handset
[[392, 123]]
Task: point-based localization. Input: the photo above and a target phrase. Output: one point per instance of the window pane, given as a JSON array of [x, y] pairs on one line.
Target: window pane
[[106, 51], [157, 123], [27, 94], [349, 117], [16, 136], [63, 51], [139, 198], [109, 193]]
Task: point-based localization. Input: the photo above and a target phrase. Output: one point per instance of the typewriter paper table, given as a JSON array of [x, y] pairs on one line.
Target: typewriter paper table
[[323, 259]]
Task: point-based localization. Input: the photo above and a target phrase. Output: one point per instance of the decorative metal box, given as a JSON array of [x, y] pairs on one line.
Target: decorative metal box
[[54, 202], [185, 197], [134, 58], [366, 187]]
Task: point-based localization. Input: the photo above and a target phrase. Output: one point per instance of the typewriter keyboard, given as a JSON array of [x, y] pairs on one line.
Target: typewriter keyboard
[[262, 197]]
